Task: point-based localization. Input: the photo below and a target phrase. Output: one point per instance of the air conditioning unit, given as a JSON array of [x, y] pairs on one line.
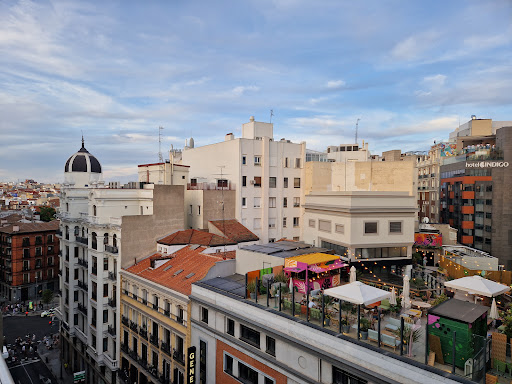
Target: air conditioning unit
[[252, 181]]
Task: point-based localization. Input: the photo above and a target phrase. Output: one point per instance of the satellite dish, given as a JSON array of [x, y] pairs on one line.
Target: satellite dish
[[425, 220]]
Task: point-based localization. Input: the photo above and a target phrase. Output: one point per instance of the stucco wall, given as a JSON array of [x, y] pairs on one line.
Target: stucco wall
[[141, 232]]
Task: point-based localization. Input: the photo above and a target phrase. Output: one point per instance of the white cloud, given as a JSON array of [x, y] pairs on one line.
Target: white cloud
[[335, 84]]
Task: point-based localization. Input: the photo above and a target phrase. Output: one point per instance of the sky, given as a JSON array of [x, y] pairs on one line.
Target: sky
[[117, 70]]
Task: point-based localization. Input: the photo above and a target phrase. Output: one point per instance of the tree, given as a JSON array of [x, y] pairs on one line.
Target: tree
[[47, 214], [47, 296]]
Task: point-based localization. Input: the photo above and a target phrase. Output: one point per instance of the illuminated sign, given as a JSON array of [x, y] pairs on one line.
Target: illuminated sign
[[191, 365], [488, 164]]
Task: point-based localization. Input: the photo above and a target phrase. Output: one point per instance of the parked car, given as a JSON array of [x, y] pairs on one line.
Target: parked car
[[48, 312]]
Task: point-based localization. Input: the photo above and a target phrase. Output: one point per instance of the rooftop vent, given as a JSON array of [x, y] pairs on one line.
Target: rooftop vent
[[178, 272], [189, 275]]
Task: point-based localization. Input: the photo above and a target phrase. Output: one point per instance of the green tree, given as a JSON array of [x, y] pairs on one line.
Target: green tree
[[47, 213], [47, 296]]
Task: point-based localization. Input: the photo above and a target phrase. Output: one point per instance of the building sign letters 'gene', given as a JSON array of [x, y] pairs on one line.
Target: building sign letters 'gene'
[[191, 365]]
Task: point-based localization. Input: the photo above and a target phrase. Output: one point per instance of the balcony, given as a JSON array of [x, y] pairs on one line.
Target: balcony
[[166, 348], [155, 307], [144, 301], [132, 354], [178, 356], [83, 263], [59, 233], [153, 339], [133, 326], [142, 362], [124, 347], [143, 332], [94, 270], [83, 286], [111, 249], [112, 302], [82, 240], [111, 330], [112, 276], [125, 321], [82, 308]]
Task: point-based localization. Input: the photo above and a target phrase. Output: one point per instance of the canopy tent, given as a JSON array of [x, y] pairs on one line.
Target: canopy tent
[[477, 285], [358, 293]]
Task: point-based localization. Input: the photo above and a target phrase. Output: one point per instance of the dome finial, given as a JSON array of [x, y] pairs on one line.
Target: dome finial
[[83, 140]]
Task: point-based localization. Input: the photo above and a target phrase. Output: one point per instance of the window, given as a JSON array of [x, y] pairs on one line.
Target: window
[[244, 181], [244, 160], [271, 240], [230, 327], [190, 209], [202, 362], [296, 182], [228, 365], [272, 182], [271, 346], [94, 341], [285, 182], [105, 290], [297, 163], [222, 183], [339, 228], [247, 375], [395, 227], [193, 182], [295, 221], [244, 202], [257, 202], [257, 160], [342, 377], [105, 264], [284, 222], [204, 315], [324, 225], [257, 181], [268, 380], [105, 316], [370, 227], [198, 209], [286, 162], [26, 253], [285, 202], [76, 274], [250, 336], [296, 202], [271, 202], [271, 222]]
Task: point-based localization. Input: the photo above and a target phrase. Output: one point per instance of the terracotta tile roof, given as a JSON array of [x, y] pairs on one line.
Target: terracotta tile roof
[[193, 236], [180, 271], [235, 231], [13, 218], [31, 227]]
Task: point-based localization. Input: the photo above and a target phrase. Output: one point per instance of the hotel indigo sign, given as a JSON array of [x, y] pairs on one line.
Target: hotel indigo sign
[[487, 164], [191, 365]]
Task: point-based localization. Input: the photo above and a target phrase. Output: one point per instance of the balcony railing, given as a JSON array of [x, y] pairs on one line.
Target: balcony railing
[[112, 276], [111, 249], [83, 285], [133, 326], [166, 348], [59, 233], [82, 240], [125, 321], [94, 270], [82, 308], [112, 302], [154, 340], [132, 354], [124, 347], [111, 330], [143, 332], [83, 263], [178, 356]]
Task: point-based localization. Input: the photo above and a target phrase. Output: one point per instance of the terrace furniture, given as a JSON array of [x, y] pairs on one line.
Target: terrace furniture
[[384, 305], [491, 379], [431, 358], [388, 340], [392, 324]]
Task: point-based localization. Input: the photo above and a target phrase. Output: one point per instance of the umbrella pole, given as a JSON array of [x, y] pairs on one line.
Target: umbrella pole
[[378, 326], [339, 314], [323, 311], [293, 301], [358, 321], [307, 294], [402, 335]]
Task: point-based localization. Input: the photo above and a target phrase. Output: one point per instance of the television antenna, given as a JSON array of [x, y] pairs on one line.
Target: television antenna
[[357, 126], [271, 114], [160, 157]]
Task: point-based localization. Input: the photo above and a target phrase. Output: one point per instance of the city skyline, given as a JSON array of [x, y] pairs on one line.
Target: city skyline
[[117, 71]]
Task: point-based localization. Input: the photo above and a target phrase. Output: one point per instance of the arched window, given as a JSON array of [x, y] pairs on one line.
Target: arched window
[[105, 239], [83, 232], [114, 241], [94, 210], [94, 241], [67, 232], [77, 230]]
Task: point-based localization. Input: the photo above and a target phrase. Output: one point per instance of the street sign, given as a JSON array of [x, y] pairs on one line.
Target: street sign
[[79, 377]]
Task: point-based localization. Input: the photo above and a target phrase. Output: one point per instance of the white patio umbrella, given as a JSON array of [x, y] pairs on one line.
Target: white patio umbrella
[[392, 299], [406, 300], [358, 293], [291, 285], [477, 285], [353, 274], [493, 314]]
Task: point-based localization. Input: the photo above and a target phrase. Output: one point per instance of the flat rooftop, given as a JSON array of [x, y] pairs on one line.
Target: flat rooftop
[[285, 249]]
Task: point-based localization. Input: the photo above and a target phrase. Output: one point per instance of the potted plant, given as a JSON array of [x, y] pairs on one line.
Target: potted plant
[[327, 316], [251, 287], [364, 326], [345, 325]]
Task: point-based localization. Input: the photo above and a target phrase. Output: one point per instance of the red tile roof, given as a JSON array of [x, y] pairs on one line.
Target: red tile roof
[[173, 273], [30, 227], [193, 236], [235, 231]]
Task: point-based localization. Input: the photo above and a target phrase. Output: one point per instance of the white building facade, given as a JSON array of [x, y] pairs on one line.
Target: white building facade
[[266, 174]]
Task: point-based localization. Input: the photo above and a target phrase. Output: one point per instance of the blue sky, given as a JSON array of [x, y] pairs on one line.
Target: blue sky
[[117, 70]]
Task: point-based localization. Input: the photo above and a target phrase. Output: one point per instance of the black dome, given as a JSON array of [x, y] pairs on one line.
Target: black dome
[[78, 162]]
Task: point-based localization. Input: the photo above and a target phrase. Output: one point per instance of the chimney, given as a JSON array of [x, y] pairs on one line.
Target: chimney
[[16, 228]]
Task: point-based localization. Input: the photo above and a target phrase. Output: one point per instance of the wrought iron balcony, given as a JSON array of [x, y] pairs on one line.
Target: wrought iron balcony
[[178, 356], [154, 340], [166, 348], [133, 326], [82, 240], [94, 270], [83, 285], [112, 330], [124, 347], [82, 308], [112, 276], [112, 302], [143, 332], [111, 249], [125, 321], [83, 263], [133, 354]]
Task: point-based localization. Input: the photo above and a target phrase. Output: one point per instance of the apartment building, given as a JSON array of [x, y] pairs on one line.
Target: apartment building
[[362, 227], [267, 175], [29, 259], [428, 184], [102, 230], [475, 185]]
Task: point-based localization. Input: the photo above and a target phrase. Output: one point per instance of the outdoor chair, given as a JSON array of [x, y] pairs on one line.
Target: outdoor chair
[[500, 366], [491, 379]]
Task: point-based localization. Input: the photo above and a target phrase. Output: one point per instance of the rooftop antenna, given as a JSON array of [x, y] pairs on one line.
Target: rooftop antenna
[[160, 157], [271, 114], [357, 126], [222, 202]]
